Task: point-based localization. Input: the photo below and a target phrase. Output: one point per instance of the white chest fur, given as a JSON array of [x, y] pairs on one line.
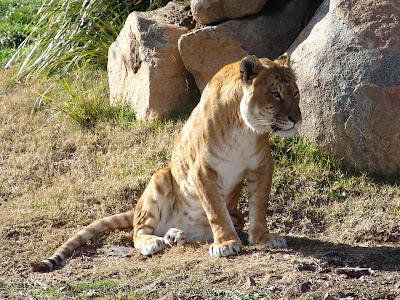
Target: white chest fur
[[236, 156]]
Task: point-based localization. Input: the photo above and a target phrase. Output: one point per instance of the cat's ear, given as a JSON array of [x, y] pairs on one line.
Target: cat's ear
[[283, 60], [249, 68]]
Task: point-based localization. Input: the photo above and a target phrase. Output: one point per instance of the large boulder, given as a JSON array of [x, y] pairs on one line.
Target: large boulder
[[212, 11], [206, 50], [145, 70], [347, 63]]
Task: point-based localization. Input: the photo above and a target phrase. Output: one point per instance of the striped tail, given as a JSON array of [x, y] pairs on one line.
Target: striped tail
[[118, 221]]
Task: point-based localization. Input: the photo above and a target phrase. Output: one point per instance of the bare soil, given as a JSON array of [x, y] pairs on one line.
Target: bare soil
[[308, 269]]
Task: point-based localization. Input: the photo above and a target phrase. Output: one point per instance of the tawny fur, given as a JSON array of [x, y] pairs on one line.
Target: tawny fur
[[224, 141]]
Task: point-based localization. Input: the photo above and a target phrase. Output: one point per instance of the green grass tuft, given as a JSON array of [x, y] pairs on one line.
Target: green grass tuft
[[87, 101], [47, 293], [100, 285], [287, 151]]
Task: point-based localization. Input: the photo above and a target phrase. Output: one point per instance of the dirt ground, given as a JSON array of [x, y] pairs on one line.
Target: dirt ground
[[308, 269]]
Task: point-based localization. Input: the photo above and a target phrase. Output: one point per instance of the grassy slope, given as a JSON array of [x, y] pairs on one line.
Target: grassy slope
[[56, 176]]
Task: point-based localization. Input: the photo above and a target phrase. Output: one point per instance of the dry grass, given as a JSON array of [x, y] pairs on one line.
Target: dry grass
[[56, 177]]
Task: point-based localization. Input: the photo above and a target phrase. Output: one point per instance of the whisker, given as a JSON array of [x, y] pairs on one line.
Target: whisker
[[262, 122]]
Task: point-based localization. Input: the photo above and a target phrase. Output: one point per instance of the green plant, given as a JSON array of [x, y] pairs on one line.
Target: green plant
[[100, 285], [287, 151], [88, 101], [48, 292], [14, 16], [5, 53], [70, 33]]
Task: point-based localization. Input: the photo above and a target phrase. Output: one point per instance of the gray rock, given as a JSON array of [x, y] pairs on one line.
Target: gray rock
[[145, 70], [205, 51], [250, 281], [347, 63], [355, 272], [117, 251], [212, 11], [305, 287], [328, 297]]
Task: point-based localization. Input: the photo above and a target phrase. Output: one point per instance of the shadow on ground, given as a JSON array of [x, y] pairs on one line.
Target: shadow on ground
[[383, 258]]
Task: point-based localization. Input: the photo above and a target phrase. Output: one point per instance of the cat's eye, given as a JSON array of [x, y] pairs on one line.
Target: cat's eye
[[277, 96]]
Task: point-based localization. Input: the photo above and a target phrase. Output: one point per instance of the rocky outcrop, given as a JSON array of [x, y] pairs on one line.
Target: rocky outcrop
[[347, 63], [205, 51], [145, 69], [212, 11]]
